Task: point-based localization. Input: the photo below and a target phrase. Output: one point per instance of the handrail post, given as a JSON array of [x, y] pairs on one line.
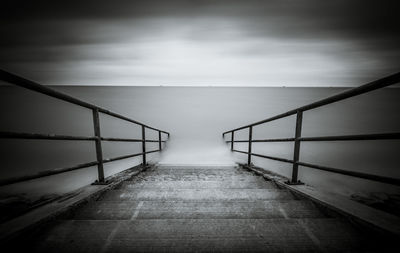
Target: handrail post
[[99, 152], [249, 147], [159, 141], [296, 153], [232, 139], [144, 144]]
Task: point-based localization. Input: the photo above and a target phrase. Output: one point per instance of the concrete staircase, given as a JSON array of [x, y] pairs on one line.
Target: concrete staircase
[[200, 209]]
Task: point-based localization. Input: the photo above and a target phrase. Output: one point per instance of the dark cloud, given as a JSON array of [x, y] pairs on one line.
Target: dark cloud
[[59, 31]]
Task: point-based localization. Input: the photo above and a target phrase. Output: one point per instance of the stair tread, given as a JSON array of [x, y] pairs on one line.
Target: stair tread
[[251, 235], [192, 174], [256, 183], [124, 210], [198, 209], [197, 194], [194, 177]]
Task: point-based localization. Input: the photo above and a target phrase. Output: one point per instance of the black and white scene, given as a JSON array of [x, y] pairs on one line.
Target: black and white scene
[[199, 126]]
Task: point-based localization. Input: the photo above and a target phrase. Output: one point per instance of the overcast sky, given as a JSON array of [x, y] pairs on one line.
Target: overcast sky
[[221, 43]]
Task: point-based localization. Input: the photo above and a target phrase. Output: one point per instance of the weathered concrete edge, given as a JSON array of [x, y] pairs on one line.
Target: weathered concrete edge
[[354, 210], [45, 213]]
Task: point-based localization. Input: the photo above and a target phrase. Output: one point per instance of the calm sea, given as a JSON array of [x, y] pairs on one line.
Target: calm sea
[[196, 118]]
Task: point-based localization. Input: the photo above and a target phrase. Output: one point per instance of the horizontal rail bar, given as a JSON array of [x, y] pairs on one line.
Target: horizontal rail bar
[[14, 135], [152, 151], [275, 140], [388, 180], [380, 83], [274, 158], [120, 157], [358, 137], [286, 114], [127, 156], [119, 116], [45, 173], [267, 140], [266, 156], [127, 140], [244, 152], [51, 172], [120, 139], [28, 84]]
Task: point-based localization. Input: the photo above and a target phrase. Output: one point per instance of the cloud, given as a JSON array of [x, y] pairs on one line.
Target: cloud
[[122, 42]]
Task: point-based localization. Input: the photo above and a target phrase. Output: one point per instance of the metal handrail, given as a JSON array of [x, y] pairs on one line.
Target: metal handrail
[[380, 83], [15, 135], [97, 138]]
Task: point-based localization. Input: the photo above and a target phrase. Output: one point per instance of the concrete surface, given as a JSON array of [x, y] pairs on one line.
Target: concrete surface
[[202, 209], [18, 225], [375, 218]]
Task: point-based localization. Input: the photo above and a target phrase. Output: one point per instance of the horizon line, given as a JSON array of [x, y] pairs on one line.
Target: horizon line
[[216, 86], [199, 86]]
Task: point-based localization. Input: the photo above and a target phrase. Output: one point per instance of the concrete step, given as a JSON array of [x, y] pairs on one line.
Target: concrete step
[[252, 183], [194, 177], [209, 235], [126, 210], [197, 170], [189, 174], [197, 194]]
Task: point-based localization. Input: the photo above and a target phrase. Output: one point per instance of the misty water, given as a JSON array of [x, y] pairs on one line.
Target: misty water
[[196, 117]]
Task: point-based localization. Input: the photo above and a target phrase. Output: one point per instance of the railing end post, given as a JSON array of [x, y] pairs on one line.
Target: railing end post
[[232, 139], [144, 145], [159, 141], [249, 147], [99, 151], [296, 151]]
